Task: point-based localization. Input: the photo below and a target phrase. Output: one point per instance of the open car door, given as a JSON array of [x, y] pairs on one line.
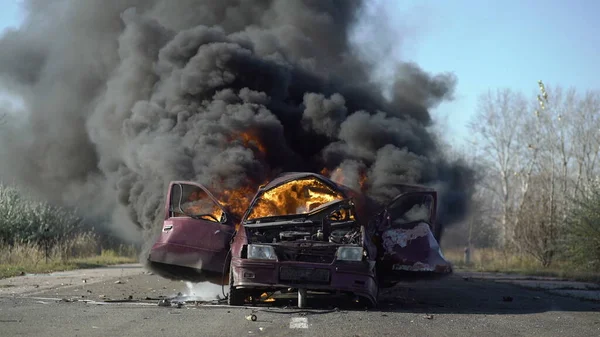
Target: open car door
[[195, 237], [407, 246]]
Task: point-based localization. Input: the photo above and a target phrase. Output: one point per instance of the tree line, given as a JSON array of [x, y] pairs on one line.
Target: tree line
[[538, 166]]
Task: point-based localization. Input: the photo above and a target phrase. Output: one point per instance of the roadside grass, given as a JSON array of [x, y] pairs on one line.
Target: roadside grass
[[30, 258], [39, 237], [497, 261]]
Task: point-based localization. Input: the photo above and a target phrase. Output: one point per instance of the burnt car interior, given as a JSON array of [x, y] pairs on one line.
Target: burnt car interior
[[305, 210], [409, 209], [192, 201]]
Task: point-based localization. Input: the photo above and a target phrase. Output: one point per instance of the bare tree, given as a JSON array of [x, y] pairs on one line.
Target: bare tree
[[539, 163], [585, 140], [499, 120]]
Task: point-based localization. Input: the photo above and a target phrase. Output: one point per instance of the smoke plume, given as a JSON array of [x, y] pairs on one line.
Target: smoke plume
[[120, 97]]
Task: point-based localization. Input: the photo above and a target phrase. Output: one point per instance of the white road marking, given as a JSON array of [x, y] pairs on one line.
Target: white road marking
[[299, 323]]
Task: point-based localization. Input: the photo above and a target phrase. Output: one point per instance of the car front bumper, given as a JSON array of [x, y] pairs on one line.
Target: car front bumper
[[352, 277]]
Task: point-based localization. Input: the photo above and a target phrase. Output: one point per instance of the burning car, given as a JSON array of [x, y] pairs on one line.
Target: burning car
[[301, 231]]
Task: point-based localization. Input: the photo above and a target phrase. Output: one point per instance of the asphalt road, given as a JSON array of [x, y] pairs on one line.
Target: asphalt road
[[123, 301]]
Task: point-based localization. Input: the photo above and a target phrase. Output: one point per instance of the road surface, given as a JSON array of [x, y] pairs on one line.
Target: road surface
[[123, 301]]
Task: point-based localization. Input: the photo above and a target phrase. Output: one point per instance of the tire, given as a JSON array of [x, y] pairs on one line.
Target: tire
[[236, 297], [368, 303]]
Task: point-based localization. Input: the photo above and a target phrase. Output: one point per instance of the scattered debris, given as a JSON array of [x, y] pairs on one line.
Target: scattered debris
[[118, 282], [261, 328], [22, 273], [507, 298], [84, 280], [428, 316], [252, 318], [164, 303], [130, 297]]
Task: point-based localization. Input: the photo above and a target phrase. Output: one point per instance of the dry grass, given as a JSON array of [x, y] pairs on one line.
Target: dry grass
[[82, 251], [494, 260]]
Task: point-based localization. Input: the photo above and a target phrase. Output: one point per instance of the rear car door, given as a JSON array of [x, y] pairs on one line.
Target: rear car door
[[196, 232], [407, 245]]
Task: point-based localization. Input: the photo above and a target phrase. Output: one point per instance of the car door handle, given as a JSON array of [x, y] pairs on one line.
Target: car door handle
[[167, 228], [217, 231]]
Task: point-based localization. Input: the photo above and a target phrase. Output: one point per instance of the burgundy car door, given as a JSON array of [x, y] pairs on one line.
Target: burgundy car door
[[406, 241], [196, 231]]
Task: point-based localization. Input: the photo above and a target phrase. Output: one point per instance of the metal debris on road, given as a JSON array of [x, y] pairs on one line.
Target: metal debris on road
[[252, 318], [428, 316], [164, 303]]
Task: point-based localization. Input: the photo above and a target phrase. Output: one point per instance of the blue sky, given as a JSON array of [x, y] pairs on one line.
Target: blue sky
[[487, 44], [10, 15], [509, 43]]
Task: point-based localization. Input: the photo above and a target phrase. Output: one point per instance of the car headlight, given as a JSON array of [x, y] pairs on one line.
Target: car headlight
[[261, 252], [349, 253]]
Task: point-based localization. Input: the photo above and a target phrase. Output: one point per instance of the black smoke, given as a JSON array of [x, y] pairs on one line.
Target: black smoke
[[122, 96]]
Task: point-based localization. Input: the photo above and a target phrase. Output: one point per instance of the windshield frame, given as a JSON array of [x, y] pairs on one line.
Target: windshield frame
[[319, 209], [170, 207], [432, 195]]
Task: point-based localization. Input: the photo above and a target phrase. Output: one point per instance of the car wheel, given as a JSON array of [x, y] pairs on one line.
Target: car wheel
[[236, 297], [368, 303]]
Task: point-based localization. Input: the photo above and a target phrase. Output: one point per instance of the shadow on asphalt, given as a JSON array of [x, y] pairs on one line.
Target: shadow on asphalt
[[452, 295]]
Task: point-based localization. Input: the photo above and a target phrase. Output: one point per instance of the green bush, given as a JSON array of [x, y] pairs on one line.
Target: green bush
[[25, 220], [583, 230]]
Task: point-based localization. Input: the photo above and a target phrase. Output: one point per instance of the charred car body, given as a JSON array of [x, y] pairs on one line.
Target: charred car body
[[301, 231]]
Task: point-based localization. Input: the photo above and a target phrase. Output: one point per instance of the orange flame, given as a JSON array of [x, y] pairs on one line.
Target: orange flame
[[199, 205], [294, 197], [362, 181], [252, 141], [238, 200], [339, 177]]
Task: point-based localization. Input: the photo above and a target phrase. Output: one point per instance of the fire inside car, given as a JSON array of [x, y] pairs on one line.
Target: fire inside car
[[301, 231], [278, 214]]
